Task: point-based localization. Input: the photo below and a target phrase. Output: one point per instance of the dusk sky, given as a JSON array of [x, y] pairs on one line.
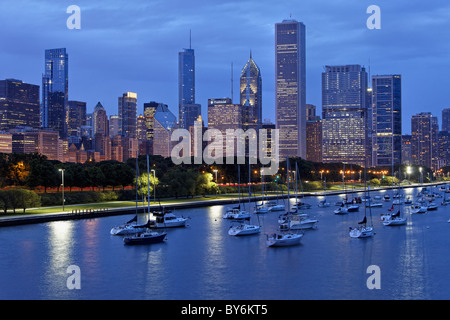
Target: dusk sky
[[133, 46]]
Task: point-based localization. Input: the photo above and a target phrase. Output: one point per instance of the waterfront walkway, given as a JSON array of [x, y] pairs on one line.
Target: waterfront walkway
[[88, 213]]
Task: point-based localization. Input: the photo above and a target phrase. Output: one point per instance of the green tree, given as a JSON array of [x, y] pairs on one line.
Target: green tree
[[204, 184], [43, 173], [21, 198], [143, 182]]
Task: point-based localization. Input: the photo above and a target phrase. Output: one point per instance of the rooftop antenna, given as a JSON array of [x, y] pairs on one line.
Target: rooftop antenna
[[190, 39], [231, 81]]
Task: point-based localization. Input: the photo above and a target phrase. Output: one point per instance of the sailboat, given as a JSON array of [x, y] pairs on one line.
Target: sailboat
[[148, 236], [243, 228], [236, 213], [393, 219], [346, 205], [324, 203], [129, 227], [363, 230], [299, 204], [262, 208], [284, 239]]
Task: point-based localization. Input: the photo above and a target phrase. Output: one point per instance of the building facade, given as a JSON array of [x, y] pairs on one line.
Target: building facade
[[188, 109], [128, 114], [344, 114], [251, 95], [446, 119], [19, 104], [76, 117], [55, 87], [290, 87], [386, 120], [424, 140]]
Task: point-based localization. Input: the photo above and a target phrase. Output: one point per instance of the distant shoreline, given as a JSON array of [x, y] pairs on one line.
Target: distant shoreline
[[33, 218]]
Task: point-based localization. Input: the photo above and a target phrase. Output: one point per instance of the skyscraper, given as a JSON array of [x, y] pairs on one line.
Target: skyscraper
[[55, 87], [100, 120], [76, 117], [250, 94], [446, 119], [188, 109], [128, 114], [290, 73], [424, 141], [344, 114], [19, 104], [386, 120]]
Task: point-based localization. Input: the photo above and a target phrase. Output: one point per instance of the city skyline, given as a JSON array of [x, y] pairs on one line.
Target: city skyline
[[336, 35]]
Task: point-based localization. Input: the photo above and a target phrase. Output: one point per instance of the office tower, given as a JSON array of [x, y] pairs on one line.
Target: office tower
[[290, 87], [424, 141], [128, 114], [149, 114], [141, 132], [5, 142], [188, 109], [446, 119], [45, 142], [164, 124], [313, 135], [386, 120], [250, 95], [344, 114], [443, 149], [113, 125], [100, 120], [223, 114], [406, 149], [76, 117], [55, 86], [19, 104]]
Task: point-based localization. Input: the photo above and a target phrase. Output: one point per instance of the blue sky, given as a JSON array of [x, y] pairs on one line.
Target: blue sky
[[133, 46]]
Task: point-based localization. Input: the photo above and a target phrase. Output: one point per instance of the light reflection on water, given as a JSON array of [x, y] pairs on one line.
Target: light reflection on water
[[203, 262]]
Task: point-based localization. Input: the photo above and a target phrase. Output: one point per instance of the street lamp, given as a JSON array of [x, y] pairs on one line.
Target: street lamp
[[154, 185], [408, 171], [62, 184], [421, 176], [215, 171]]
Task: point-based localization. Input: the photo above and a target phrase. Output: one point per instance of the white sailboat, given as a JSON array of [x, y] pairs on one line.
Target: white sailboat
[[236, 213], [243, 228], [147, 236], [129, 227], [324, 203], [288, 238]]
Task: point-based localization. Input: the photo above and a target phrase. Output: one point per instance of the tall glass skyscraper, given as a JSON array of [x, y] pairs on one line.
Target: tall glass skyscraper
[[188, 109], [386, 120], [345, 114], [55, 87], [250, 94], [128, 115], [290, 73]]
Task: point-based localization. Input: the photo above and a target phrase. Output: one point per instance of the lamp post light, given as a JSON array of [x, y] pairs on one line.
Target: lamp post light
[[62, 184], [421, 176], [154, 185]]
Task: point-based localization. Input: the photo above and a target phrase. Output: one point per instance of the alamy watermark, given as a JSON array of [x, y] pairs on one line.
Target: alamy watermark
[[374, 21], [231, 145], [74, 280]]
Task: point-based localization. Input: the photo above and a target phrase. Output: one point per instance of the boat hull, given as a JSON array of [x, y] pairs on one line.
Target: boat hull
[[394, 222], [284, 240], [243, 230], [118, 231], [363, 232], [145, 238]]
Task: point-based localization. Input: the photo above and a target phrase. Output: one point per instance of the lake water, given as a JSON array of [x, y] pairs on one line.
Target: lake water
[[203, 262]]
